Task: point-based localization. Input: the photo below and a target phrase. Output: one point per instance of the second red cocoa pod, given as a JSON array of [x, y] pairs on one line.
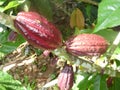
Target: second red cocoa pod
[[38, 31], [66, 78], [86, 45]]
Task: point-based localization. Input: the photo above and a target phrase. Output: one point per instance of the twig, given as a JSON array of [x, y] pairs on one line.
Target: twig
[[89, 2], [51, 83], [13, 64]]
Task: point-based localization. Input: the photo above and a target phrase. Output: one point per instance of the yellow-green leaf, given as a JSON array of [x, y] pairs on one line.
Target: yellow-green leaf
[[77, 19], [72, 19]]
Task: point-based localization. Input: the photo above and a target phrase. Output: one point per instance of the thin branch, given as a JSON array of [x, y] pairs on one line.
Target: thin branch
[[89, 2], [13, 64]]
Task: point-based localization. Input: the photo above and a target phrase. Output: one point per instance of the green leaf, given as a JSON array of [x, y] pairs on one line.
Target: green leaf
[[7, 46], [90, 81], [83, 81], [108, 14], [77, 31], [108, 34], [117, 51], [43, 7], [117, 62], [8, 83], [1, 9], [83, 84], [80, 78], [2, 87], [2, 1], [99, 83], [11, 4]]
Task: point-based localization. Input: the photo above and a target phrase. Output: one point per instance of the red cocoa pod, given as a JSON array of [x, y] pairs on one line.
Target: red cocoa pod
[[86, 45], [38, 31], [66, 78]]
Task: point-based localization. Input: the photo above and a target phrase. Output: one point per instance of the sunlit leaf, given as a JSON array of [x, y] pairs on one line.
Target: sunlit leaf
[[108, 14], [2, 87], [8, 83], [78, 81], [11, 5], [85, 80], [2, 1], [117, 51], [1, 9]]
